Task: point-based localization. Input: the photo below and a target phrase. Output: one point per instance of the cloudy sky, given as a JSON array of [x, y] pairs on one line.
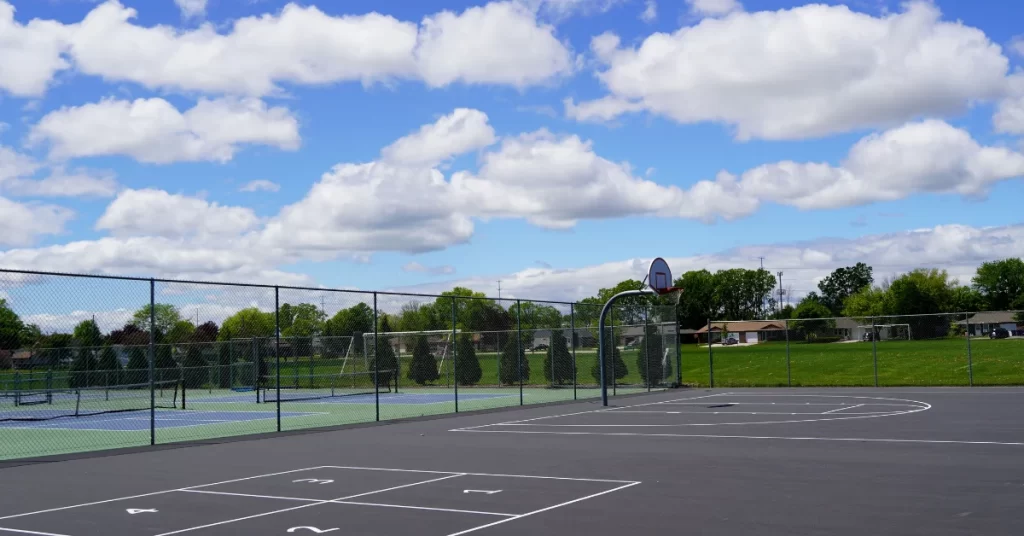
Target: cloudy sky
[[554, 145]]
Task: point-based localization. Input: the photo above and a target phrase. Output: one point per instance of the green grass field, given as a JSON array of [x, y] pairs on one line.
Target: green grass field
[[900, 363]]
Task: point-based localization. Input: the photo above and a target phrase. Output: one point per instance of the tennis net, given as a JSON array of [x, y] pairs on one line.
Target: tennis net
[[297, 387], [48, 404]]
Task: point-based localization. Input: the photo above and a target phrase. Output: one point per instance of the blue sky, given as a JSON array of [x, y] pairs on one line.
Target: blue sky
[[709, 132]]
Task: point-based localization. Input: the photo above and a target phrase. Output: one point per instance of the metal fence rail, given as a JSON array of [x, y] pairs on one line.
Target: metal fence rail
[[97, 362]]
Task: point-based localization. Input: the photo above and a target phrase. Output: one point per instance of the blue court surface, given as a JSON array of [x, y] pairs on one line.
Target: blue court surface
[[139, 420], [385, 398]]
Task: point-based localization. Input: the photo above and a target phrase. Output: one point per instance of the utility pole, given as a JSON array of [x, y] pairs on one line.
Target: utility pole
[[780, 292], [499, 290]]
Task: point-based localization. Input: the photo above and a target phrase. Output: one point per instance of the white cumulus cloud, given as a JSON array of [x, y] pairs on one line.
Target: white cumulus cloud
[[261, 185], [459, 132], [158, 213], [714, 7], [30, 54], [154, 131], [804, 72]]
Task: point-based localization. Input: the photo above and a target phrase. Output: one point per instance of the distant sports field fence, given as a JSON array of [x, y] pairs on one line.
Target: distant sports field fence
[[98, 362], [961, 349]]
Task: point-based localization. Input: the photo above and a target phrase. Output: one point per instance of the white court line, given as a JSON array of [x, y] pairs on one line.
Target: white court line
[[481, 474], [250, 495], [841, 409], [733, 413], [156, 493], [567, 503], [590, 411], [338, 501], [307, 505], [19, 531], [710, 436], [424, 508]]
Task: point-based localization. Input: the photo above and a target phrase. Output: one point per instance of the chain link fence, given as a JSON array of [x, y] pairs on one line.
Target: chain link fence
[[97, 362], [948, 349]]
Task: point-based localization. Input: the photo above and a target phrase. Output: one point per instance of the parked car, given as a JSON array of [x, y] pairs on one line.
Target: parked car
[[540, 348], [999, 333], [868, 336], [730, 341]]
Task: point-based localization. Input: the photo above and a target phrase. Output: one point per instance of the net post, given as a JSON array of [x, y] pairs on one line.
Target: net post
[[789, 368], [711, 360], [572, 341], [152, 362], [519, 346], [455, 351], [970, 361], [611, 330], [376, 363], [874, 348], [277, 352]]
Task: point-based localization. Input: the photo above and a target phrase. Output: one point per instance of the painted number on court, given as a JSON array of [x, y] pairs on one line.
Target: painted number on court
[[312, 529], [134, 511], [313, 481]]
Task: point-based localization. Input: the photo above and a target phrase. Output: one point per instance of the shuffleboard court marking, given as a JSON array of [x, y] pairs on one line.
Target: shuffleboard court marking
[[58, 509], [20, 531], [428, 508], [480, 474], [713, 436], [307, 505], [560, 505]]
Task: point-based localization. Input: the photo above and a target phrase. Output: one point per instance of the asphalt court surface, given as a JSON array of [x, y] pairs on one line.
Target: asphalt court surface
[[846, 462]]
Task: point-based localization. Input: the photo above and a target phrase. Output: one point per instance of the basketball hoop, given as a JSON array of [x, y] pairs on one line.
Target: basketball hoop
[[659, 278]]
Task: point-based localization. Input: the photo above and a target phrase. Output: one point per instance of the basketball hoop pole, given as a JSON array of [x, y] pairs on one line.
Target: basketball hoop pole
[[601, 357]]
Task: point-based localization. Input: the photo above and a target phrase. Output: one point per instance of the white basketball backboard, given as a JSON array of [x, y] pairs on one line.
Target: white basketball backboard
[[659, 277]]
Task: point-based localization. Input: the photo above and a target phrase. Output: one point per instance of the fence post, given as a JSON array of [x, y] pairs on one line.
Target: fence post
[[277, 353], [711, 360], [519, 346], [647, 350], [152, 361], [874, 348], [572, 341], [970, 361], [789, 368], [376, 362], [455, 352]]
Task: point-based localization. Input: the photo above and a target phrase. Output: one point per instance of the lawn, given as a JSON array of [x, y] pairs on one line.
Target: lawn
[[899, 363]]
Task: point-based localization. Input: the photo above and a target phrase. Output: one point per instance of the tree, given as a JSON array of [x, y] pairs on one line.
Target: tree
[[11, 328], [843, 283], [138, 365], [966, 299], [1018, 305], [558, 366], [82, 368], [742, 294], [1001, 283], [165, 362], [165, 315], [537, 316], [513, 366], [352, 322], [181, 332], [130, 335], [697, 304], [384, 360], [195, 368], [649, 359], [110, 365], [615, 367], [58, 348], [247, 323], [627, 310], [305, 320], [31, 336], [206, 332], [467, 364], [423, 367], [87, 333], [812, 317], [869, 301]]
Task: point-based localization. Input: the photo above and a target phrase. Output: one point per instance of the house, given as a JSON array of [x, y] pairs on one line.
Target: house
[[752, 331], [983, 323]]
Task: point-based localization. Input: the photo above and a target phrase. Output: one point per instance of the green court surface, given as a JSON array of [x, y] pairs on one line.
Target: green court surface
[[211, 414], [936, 362]]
